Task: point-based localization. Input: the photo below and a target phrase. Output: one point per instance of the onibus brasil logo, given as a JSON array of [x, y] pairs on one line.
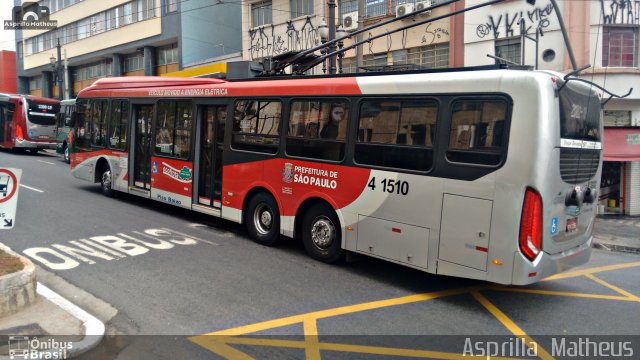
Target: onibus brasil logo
[[25, 347]]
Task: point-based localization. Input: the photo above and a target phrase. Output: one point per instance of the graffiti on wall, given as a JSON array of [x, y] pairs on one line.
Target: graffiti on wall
[[266, 42], [507, 24], [620, 12], [431, 35]]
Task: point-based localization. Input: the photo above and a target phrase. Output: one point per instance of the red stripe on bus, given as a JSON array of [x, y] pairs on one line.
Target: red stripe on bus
[[483, 249], [396, 230]]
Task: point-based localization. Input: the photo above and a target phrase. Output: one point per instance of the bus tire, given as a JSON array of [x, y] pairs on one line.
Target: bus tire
[[106, 181], [263, 219], [66, 154], [321, 234]]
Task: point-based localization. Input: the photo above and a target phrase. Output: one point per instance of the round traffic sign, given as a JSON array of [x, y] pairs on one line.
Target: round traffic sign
[[14, 188]]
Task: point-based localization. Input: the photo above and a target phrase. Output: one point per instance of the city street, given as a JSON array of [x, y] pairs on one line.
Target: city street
[[200, 288]]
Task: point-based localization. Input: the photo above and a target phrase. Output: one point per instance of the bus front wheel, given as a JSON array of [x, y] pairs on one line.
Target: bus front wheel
[[263, 219], [321, 234], [106, 181], [67, 155]]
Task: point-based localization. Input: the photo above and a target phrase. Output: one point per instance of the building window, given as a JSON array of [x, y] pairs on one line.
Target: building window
[[620, 46], [301, 7], [35, 83], [509, 50], [170, 6], [430, 57], [168, 55], [617, 118], [133, 63], [261, 13]]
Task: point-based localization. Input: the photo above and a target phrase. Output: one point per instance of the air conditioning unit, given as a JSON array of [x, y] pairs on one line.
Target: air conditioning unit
[[404, 9], [350, 21], [420, 5]]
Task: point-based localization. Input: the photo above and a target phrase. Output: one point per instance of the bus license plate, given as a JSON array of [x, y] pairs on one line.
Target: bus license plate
[[572, 225]]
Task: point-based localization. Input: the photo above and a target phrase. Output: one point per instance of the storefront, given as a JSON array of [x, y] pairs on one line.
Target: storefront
[[620, 182]]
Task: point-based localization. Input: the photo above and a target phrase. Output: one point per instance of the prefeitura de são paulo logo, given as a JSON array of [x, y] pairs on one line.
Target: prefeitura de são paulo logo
[[287, 173]]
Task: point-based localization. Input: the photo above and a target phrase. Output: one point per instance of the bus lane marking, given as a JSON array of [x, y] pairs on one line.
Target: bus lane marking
[[613, 287], [219, 341], [107, 248], [31, 188], [46, 162]]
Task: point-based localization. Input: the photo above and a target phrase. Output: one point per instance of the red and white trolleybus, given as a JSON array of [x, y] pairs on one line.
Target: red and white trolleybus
[[28, 122], [484, 173]]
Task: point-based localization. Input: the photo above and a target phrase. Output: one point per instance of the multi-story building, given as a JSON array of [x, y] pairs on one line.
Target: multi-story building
[[604, 33], [126, 38]]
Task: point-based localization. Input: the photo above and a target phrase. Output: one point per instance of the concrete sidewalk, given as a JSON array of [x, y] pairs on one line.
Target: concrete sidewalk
[[617, 233], [42, 325]]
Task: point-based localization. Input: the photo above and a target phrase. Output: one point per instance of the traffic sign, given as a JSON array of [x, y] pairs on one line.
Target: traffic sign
[[9, 183]]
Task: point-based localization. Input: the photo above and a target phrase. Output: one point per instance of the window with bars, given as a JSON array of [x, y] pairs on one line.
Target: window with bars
[[133, 63], [261, 13], [168, 55], [620, 46], [509, 49]]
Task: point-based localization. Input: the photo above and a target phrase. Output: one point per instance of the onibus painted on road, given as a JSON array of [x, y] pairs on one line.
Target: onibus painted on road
[[28, 122], [482, 173]]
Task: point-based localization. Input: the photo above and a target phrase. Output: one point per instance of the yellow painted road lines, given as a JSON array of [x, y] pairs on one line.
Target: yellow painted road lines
[[511, 326], [220, 341]]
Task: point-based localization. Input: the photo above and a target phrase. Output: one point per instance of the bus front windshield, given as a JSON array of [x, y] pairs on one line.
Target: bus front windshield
[[42, 113]]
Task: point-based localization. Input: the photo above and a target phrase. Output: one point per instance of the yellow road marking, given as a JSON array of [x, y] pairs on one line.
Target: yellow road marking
[[217, 344], [218, 341], [563, 293], [362, 349], [613, 287], [509, 324], [576, 273], [311, 339], [290, 320]]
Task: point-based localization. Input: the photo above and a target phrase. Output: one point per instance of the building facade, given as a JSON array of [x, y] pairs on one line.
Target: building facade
[[8, 72], [102, 38]]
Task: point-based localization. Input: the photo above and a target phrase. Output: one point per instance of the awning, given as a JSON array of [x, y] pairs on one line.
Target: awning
[[621, 144]]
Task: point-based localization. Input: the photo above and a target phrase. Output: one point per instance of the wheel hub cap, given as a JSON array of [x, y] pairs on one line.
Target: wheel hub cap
[[323, 233]]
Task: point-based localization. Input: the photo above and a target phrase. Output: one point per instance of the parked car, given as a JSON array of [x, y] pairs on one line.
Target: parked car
[[63, 119]]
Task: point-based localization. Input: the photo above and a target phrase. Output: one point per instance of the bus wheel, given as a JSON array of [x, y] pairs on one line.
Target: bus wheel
[[321, 234], [263, 219], [66, 154], [106, 181]]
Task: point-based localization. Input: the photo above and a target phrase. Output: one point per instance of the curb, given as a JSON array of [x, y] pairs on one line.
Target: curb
[[94, 328], [18, 289], [618, 248]]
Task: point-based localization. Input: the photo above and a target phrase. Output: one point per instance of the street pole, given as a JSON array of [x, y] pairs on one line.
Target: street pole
[[59, 73], [360, 36], [332, 36]]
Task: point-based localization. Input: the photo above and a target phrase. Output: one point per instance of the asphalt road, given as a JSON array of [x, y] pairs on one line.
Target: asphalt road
[[182, 274]]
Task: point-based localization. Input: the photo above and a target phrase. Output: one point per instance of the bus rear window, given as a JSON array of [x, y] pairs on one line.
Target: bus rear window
[[42, 113], [579, 113]]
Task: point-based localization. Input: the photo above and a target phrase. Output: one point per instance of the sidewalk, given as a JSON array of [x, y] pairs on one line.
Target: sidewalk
[[46, 326], [617, 233]]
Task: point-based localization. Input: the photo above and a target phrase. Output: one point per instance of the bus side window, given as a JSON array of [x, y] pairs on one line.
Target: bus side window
[[477, 134]]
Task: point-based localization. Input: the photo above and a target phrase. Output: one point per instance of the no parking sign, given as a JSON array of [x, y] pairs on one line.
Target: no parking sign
[[9, 181]]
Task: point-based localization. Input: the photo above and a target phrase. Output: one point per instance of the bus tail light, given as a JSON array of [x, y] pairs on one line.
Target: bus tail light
[[69, 137], [530, 239], [19, 133]]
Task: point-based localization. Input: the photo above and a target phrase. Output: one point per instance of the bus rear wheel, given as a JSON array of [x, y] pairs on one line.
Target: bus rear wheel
[[263, 219], [106, 181], [321, 234]]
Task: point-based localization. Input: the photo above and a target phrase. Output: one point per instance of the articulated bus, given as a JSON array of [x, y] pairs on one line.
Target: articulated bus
[[484, 173], [28, 122]]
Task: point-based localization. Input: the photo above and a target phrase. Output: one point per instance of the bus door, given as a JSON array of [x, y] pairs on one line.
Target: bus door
[[142, 115], [211, 121], [6, 117]]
